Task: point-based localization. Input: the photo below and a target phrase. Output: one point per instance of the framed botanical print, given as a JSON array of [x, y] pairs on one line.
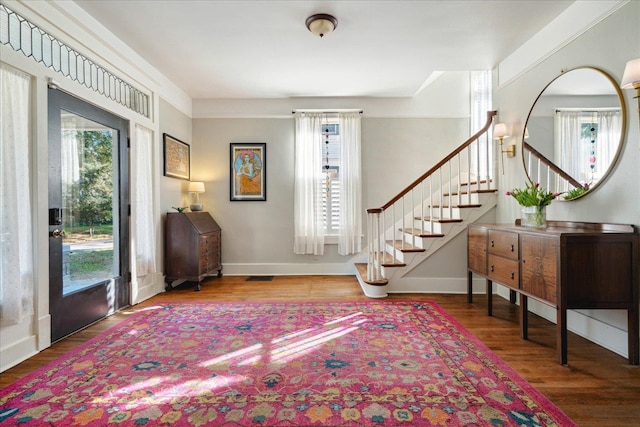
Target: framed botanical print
[[176, 158], [248, 171]]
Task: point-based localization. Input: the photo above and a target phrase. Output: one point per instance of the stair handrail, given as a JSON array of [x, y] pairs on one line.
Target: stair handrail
[[376, 217], [541, 157], [485, 128]]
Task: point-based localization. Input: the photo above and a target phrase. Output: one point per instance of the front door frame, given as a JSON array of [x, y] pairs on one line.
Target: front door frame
[[77, 310]]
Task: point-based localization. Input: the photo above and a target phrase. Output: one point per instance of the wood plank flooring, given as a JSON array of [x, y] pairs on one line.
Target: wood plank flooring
[[597, 388]]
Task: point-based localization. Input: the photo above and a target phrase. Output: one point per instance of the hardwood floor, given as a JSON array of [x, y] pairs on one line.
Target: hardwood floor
[[597, 388]]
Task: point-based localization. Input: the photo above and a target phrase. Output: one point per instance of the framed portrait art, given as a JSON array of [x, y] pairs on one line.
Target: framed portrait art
[[176, 158], [248, 171]]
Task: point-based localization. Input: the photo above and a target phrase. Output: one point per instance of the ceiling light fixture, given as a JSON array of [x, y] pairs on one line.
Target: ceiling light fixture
[[321, 24]]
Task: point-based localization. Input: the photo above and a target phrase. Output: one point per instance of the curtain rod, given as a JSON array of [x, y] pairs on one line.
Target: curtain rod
[[327, 111]]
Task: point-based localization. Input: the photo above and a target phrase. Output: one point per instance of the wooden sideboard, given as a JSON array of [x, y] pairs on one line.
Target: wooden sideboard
[[192, 247], [567, 265]]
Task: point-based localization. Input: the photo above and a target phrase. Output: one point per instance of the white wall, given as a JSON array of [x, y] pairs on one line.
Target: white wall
[[178, 125], [401, 139], [607, 45]]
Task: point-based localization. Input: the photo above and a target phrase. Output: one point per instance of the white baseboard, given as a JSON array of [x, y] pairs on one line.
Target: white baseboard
[[288, 269], [148, 286], [605, 335], [423, 285], [17, 352], [44, 332]]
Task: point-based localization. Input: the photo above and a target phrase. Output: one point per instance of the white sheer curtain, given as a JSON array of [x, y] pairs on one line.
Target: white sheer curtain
[[350, 237], [308, 224], [609, 126], [570, 154], [142, 202], [575, 150], [16, 263]]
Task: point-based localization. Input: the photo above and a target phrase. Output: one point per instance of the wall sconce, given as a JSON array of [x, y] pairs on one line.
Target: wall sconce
[[195, 188], [631, 80], [500, 133]]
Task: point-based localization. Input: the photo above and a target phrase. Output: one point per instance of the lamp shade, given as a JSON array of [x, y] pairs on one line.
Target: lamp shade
[[631, 76], [196, 187], [500, 131]]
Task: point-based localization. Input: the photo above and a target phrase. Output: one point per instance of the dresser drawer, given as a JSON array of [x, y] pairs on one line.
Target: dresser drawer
[[504, 270], [503, 243]]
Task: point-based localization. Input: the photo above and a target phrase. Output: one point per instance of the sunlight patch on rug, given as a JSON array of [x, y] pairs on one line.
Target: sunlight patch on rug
[[364, 363]]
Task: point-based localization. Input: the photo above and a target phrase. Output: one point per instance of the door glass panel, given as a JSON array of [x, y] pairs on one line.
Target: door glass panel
[[89, 202]]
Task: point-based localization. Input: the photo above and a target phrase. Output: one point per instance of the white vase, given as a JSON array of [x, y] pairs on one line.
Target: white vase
[[534, 216]]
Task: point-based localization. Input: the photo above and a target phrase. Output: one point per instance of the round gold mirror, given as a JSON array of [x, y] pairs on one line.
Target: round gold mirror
[[574, 132]]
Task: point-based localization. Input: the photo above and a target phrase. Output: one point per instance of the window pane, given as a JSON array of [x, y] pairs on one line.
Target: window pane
[[331, 184]]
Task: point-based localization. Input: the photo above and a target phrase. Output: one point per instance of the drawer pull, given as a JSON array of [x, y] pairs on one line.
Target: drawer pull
[[492, 243], [512, 247], [492, 268], [513, 275]]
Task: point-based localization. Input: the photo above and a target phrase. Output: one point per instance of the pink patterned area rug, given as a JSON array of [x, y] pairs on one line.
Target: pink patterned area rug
[[364, 363]]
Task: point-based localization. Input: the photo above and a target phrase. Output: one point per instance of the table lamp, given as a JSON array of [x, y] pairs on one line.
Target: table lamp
[[196, 188]]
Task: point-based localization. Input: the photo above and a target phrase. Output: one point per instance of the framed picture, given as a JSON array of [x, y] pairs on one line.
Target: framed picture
[[176, 157], [248, 171]]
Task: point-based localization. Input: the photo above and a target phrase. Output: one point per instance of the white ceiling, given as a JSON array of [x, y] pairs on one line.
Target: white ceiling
[[262, 49]]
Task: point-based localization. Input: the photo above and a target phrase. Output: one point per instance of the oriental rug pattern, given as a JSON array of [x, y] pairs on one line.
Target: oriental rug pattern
[[364, 363]]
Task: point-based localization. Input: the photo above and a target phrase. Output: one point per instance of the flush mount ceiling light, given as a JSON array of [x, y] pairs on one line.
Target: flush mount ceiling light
[[321, 24]]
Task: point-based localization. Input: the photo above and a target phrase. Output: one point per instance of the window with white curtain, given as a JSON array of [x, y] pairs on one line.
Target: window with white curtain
[[327, 168], [589, 141], [16, 262], [480, 100]]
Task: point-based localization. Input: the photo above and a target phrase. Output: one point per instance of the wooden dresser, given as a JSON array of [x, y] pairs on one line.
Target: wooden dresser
[[568, 265], [192, 247]]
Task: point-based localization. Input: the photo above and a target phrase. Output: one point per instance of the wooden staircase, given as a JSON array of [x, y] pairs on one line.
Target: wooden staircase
[[426, 216]]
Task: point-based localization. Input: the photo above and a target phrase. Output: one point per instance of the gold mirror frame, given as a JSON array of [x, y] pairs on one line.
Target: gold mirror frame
[[555, 169]]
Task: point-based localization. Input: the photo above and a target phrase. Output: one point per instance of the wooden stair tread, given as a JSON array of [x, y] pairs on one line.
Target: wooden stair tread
[[408, 247], [419, 233], [482, 190], [482, 181], [472, 205], [389, 261], [361, 267], [439, 220], [395, 264]]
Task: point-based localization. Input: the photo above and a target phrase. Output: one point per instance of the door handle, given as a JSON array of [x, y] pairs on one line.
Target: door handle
[[56, 234]]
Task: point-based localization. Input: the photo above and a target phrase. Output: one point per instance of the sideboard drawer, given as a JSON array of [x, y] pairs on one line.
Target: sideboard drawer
[[503, 243], [504, 271], [477, 249]]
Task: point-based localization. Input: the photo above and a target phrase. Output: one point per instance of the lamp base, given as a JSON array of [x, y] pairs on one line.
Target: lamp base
[[196, 207]]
